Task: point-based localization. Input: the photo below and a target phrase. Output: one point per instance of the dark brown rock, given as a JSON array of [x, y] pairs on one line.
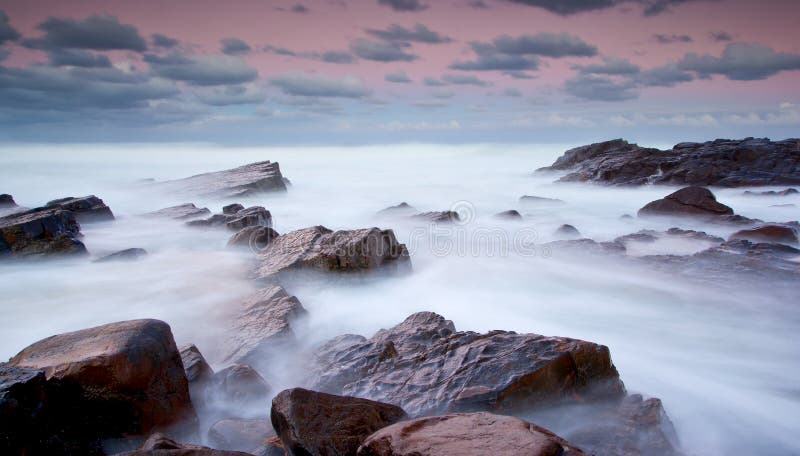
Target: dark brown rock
[[40, 232], [466, 433], [319, 249], [768, 233], [87, 209], [161, 445], [253, 237], [252, 216], [689, 201], [24, 407], [310, 422], [240, 434], [426, 367], [129, 375], [131, 254], [194, 364], [185, 211], [246, 180], [7, 201]]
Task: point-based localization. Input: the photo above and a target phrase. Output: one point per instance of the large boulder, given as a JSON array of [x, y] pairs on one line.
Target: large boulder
[[245, 180], [689, 201], [186, 211], [476, 434], [129, 376], [320, 249], [768, 233], [722, 162], [160, 445], [39, 232], [310, 422], [87, 208], [265, 325], [427, 367]]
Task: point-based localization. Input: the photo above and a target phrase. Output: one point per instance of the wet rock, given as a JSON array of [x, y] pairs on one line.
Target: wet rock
[[426, 367], [722, 162], [231, 209], [255, 237], [438, 216], [160, 445], [652, 236], [567, 232], [529, 199], [214, 220], [466, 433], [689, 201], [768, 233], [786, 192], [310, 422], [131, 254], [181, 212], [585, 246], [23, 410], [251, 179], [128, 374], [7, 201], [639, 236], [195, 365], [87, 209], [40, 232], [252, 216], [319, 249], [509, 215], [692, 234], [401, 209], [264, 325], [238, 386], [240, 434], [271, 447]]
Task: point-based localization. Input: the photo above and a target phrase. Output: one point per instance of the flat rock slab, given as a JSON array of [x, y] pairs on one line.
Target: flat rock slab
[[478, 434], [87, 209], [40, 232], [251, 179], [427, 367], [186, 211]]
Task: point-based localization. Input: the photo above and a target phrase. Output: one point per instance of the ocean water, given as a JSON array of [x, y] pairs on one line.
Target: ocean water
[[724, 358]]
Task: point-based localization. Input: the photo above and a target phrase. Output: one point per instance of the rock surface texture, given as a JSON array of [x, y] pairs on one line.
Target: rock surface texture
[[186, 211], [160, 445], [246, 180], [689, 201], [722, 162], [425, 366], [86, 209], [40, 232]]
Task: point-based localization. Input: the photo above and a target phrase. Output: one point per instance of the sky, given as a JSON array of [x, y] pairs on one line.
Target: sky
[[388, 71]]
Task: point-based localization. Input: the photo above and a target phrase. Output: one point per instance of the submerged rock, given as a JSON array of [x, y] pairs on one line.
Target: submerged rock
[[246, 180], [509, 215], [131, 254], [689, 201], [87, 209], [40, 232], [238, 386], [184, 211], [401, 209], [722, 162], [425, 366], [478, 434], [768, 233], [160, 445], [255, 237], [310, 422], [567, 232]]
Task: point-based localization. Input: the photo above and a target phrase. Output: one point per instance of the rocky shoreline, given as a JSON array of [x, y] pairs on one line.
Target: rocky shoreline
[[421, 387]]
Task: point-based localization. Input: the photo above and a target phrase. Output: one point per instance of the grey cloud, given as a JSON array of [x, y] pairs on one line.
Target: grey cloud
[[279, 50], [522, 53], [163, 41], [673, 38], [234, 46], [431, 104], [342, 57], [610, 66], [512, 92], [569, 7], [230, 95], [664, 76], [398, 77], [489, 62], [380, 51], [721, 36], [599, 88], [419, 33], [300, 83], [77, 58], [337, 57], [461, 79], [7, 32], [404, 5], [100, 32], [214, 69], [478, 4], [519, 74], [299, 9], [741, 62], [433, 82]]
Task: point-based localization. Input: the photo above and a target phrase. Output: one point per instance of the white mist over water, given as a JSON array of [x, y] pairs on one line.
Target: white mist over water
[[724, 359]]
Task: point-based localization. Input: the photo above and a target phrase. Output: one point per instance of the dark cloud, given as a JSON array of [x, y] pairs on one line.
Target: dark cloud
[[610, 66], [661, 38], [419, 33], [433, 82], [163, 41], [741, 62], [721, 36], [279, 50], [404, 5], [77, 58], [101, 32], [663, 76], [299, 9], [399, 77], [7, 32], [599, 88], [489, 62], [230, 95], [519, 74], [523, 52], [618, 79], [380, 51], [569, 7], [234, 46], [213, 69], [341, 57], [337, 57], [299, 83], [460, 79], [478, 4]]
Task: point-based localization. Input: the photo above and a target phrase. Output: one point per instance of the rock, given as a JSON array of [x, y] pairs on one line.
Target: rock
[[24, 407], [181, 212], [231, 209], [652, 236], [246, 180], [271, 447], [319, 249], [786, 192], [7, 201], [40, 232], [585, 246], [252, 216], [726, 163], [509, 215], [160, 445], [401, 209], [238, 386], [477, 434], [426, 367], [309, 422], [132, 254], [240, 434], [783, 205], [626, 217], [195, 365], [87, 209], [265, 325], [129, 376], [568, 232], [689, 201], [214, 220], [438, 216], [528, 199], [768, 233], [254, 237], [692, 234]]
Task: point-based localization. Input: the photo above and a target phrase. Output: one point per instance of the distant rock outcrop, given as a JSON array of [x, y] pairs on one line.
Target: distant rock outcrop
[[7, 201], [251, 179], [722, 162]]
